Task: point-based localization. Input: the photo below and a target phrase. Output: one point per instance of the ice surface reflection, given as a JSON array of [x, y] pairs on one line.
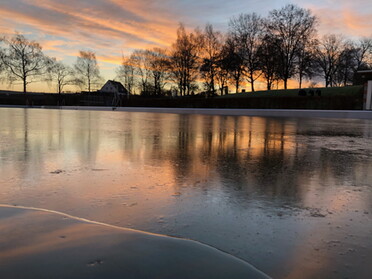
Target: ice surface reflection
[[291, 196]]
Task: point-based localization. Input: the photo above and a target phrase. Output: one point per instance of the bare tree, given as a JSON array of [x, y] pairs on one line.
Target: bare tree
[[62, 74], [23, 60], [223, 69], [356, 55], [306, 66], [159, 69], [1, 61], [269, 64], [363, 53], [328, 57], [87, 70], [185, 59], [233, 62], [247, 32], [212, 42], [141, 63], [291, 26], [126, 73], [348, 65]]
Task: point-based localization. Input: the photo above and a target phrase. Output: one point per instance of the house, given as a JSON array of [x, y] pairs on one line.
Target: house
[[362, 77], [112, 86]]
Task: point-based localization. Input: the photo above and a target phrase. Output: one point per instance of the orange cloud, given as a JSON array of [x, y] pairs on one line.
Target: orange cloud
[[346, 19], [94, 28], [357, 23]]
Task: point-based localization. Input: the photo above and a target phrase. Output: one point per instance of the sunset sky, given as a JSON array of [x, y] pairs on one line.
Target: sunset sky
[[113, 27]]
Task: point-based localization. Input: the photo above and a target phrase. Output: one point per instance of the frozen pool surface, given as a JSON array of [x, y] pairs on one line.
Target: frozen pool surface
[[291, 196]]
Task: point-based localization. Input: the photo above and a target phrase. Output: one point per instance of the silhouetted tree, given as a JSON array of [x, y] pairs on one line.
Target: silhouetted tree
[[247, 32], [185, 59], [269, 63], [159, 69], [1, 62], [125, 73], [61, 74], [233, 62], [328, 57], [363, 53], [87, 70], [223, 68], [140, 59], [306, 66], [291, 26], [347, 65], [356, 55], [210, 54], [23, 60]]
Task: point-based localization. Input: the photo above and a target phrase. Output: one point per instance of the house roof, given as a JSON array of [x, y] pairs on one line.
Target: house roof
[[117, 85]]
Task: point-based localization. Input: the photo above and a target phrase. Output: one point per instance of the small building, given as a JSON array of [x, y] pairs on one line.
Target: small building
[[115, 87], [361, 77], [365, 78]]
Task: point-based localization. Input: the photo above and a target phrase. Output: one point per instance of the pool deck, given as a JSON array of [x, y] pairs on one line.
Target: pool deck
[[352, 114], [346, 114]]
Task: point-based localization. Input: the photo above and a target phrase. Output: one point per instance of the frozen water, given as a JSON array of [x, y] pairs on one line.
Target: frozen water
[[291, 196]]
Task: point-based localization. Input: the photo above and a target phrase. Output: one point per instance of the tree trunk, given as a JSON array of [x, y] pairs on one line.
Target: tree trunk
[[25, 90], [268, 85], [24, 85], [252, 81], [326, 82], [285, 80], [237, 86], [345, 78], [88, 84]]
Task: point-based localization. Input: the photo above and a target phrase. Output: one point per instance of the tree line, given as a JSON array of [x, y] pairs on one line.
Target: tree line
[[275, 49], [22, 60]]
